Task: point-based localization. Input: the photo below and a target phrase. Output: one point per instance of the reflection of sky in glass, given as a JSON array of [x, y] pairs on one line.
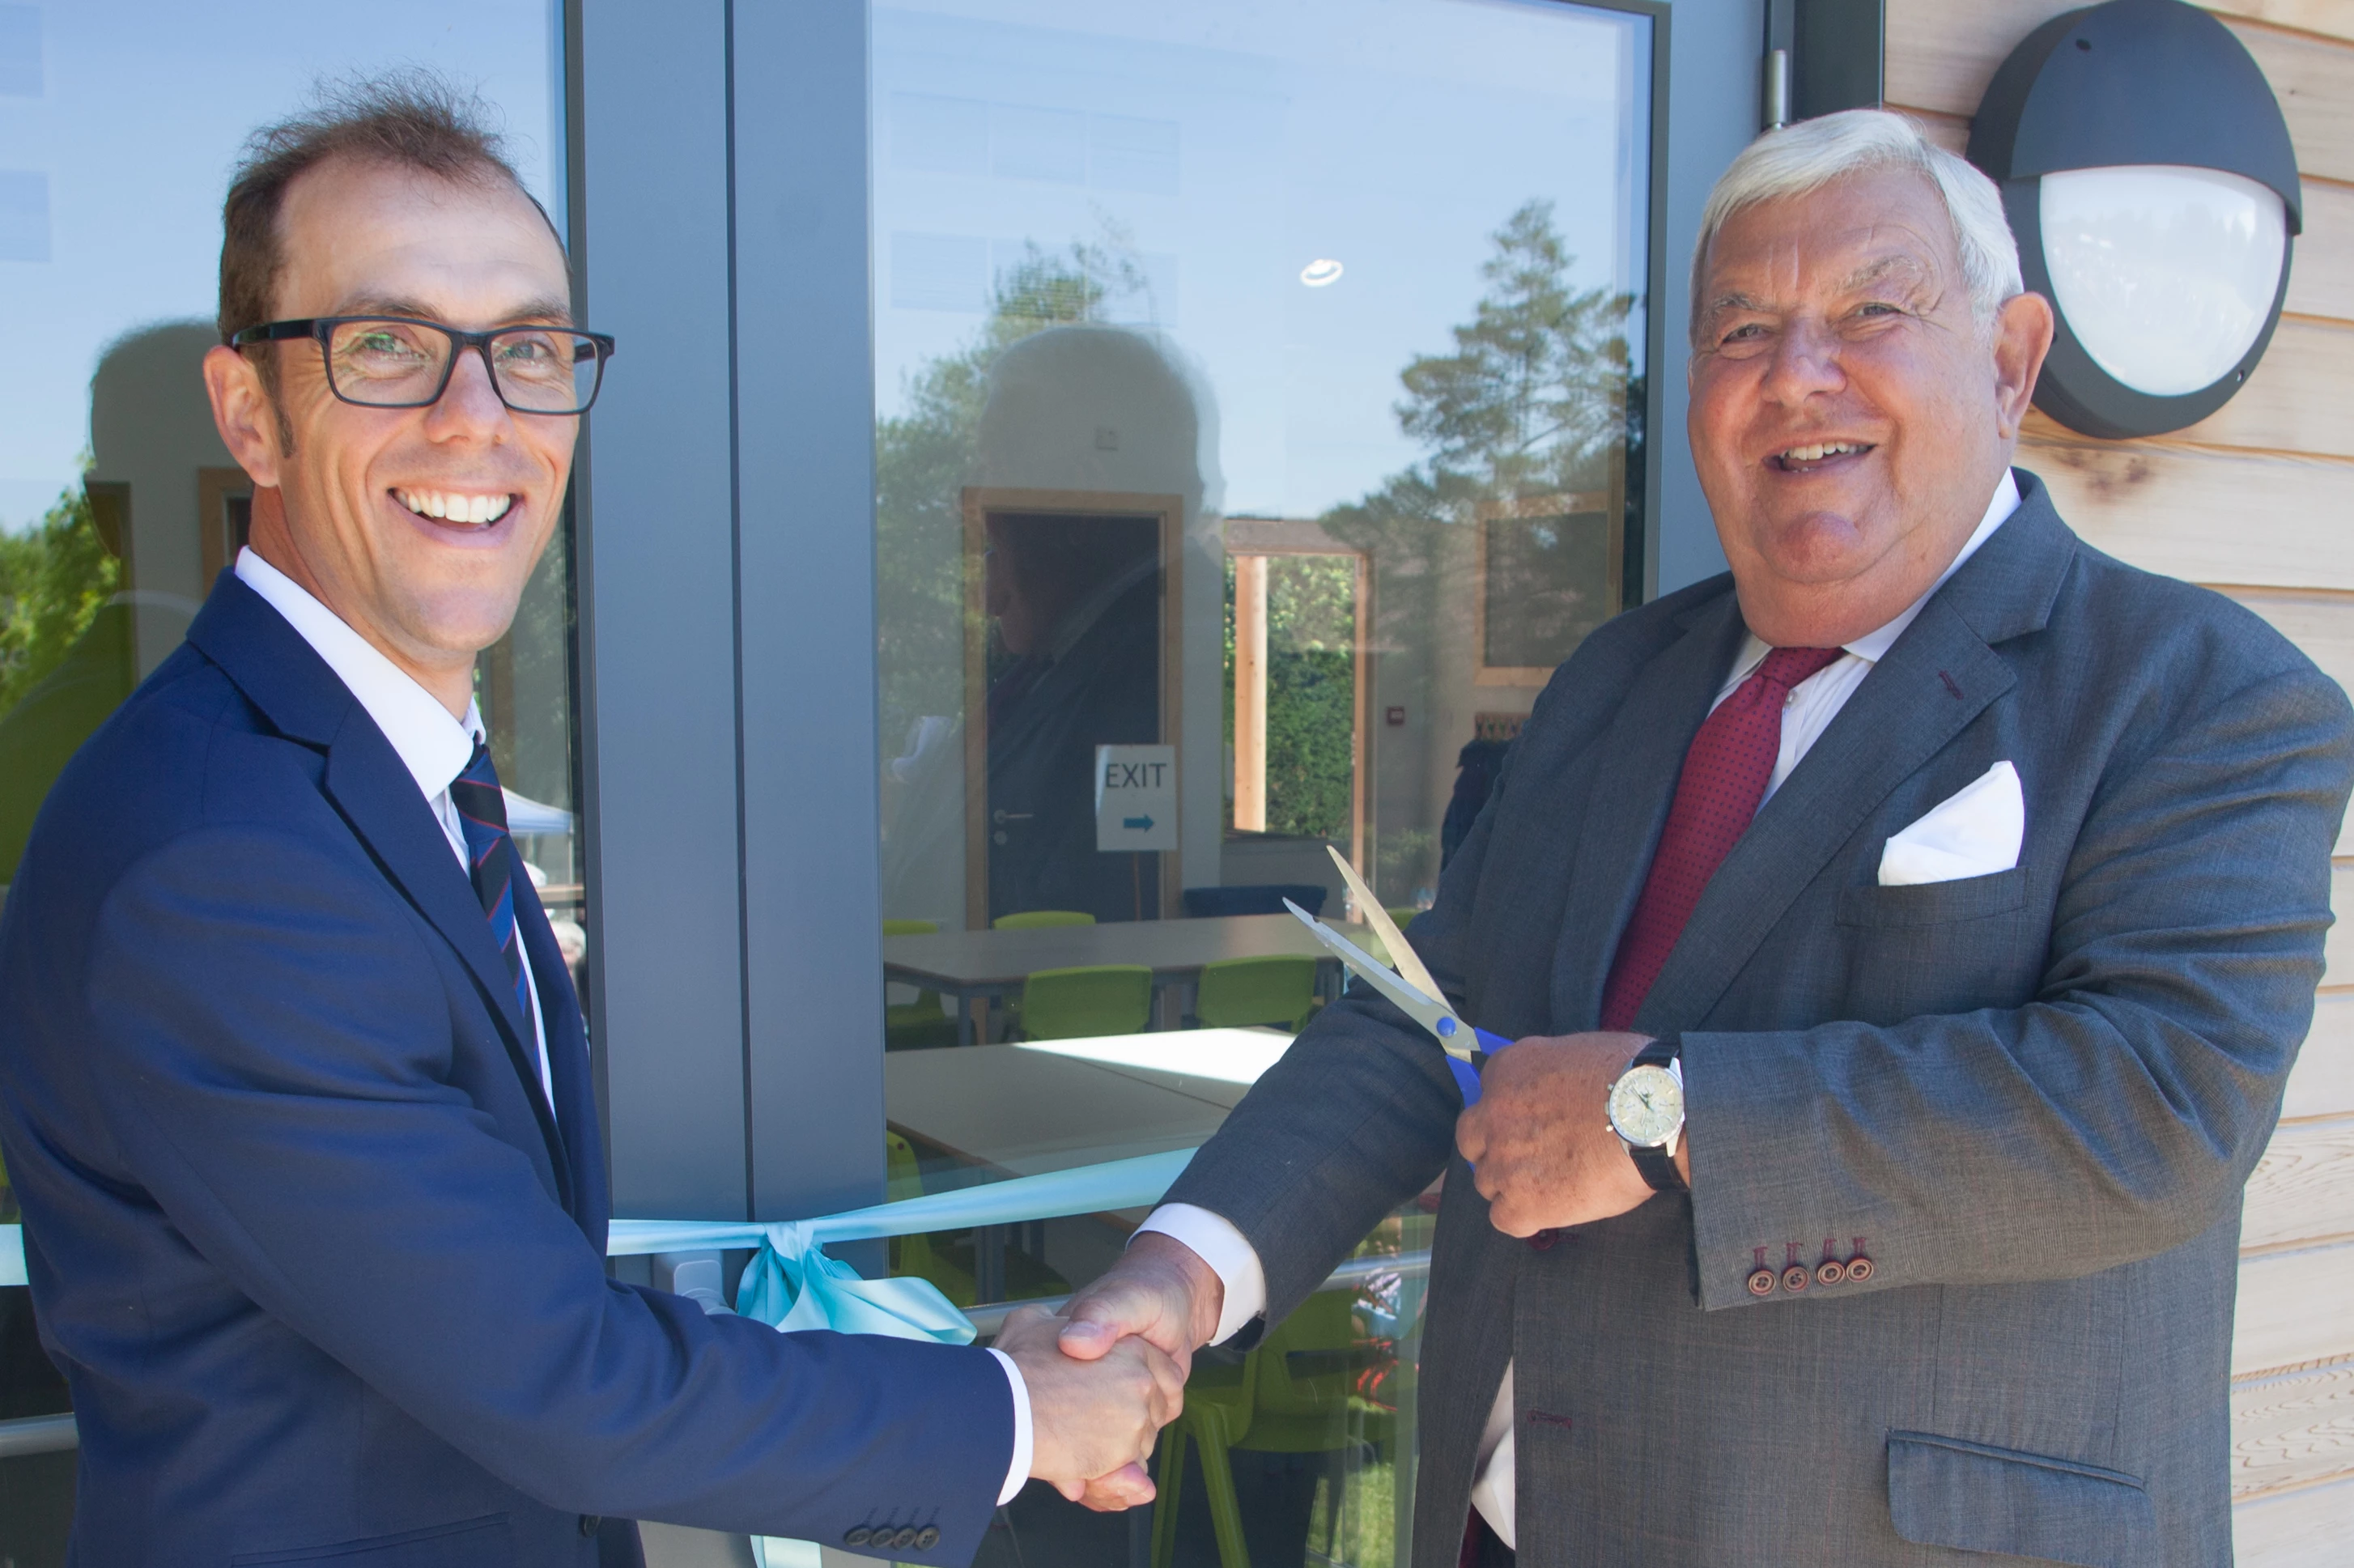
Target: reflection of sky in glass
[[1225, 146], [119, 119]]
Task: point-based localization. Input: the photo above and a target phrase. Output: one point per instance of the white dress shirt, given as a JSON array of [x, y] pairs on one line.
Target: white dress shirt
[[1812, 704], [435, 748]]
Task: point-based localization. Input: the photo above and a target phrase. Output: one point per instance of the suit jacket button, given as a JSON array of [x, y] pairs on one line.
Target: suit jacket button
[[1859, 1270], [1543, 1240], [858, 1537], [590, 1524], [1796, 1277], [1761, 1282], [905, 1538], [927, 1538], [1831, 1271]]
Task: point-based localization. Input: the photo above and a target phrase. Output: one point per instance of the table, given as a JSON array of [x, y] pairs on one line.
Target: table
[[978, 966], [1022, 1110]]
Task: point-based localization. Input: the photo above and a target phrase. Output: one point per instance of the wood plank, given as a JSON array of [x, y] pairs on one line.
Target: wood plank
[[2298, 399], [2322, 1083], [2304, 1529], [2209, 516], [2291, 1309], [2292, 1430], [2321, 269], [2330, 18], [1943, 55], [2303, 1189]]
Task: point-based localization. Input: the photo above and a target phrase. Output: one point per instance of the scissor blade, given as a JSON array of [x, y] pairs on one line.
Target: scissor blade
[[1409, 963], [1420, 1006]]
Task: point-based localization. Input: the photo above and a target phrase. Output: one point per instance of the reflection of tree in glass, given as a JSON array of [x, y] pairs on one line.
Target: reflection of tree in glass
[[923, 457], [54, 577], [1536, 400]]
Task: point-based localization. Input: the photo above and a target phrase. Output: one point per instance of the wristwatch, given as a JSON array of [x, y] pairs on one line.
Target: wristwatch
[[1647, 1111]]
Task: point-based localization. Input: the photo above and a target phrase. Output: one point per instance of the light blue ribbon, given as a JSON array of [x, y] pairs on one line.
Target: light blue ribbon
[[1132, 1184]]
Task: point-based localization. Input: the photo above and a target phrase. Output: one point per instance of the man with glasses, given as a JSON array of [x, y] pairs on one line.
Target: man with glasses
[[297, 1096]]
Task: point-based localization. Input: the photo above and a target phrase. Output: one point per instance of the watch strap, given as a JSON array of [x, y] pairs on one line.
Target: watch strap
[[1652, 1162]]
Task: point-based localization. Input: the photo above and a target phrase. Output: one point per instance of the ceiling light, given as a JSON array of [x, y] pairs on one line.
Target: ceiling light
[[1320, 272]]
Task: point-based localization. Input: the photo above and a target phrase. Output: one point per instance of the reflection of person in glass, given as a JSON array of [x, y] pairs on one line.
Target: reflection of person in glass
[[147, 417], [293, 1084], [1076, 664]]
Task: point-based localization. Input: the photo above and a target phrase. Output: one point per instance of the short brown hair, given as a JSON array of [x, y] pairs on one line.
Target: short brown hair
[[412, 119]]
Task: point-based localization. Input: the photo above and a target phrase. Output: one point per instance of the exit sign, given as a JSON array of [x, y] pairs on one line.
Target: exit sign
[[1136, 797]]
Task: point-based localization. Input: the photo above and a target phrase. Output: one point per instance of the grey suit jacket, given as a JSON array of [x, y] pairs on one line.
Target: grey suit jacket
[[2032, 1097]]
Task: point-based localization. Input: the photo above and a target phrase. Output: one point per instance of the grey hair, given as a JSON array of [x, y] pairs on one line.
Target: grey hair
[[1802, 158]]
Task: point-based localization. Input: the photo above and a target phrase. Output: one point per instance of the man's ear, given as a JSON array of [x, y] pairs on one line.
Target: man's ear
[[2023, 336], [244, 414]]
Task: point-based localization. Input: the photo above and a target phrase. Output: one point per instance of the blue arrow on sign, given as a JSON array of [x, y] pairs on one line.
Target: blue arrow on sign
[[1143, 823]]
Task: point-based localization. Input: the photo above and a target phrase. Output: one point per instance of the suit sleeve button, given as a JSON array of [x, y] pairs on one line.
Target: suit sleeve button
[[905, 1538], [1831, 1271], [927, 1538], [858, 1537], [1761, 1282], [1796, 1277], [1859, 1270]]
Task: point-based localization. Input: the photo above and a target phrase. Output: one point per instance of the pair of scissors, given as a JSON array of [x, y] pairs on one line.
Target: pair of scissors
[[1411, 988]]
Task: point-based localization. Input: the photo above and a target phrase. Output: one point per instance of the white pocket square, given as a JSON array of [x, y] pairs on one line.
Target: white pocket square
[[1975, 832]]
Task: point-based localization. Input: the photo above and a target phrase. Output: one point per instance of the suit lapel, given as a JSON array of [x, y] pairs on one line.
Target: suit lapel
[[1643, 753], [375, 793], [568, 1065], [1940, 675]]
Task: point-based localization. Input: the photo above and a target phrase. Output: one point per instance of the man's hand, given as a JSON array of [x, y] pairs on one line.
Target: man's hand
[[1159, 1291], [1163, 1293], [1539, 1143], [1092, 1424]]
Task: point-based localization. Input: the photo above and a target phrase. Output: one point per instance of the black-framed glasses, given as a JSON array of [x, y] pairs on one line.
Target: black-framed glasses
[[399, 362]]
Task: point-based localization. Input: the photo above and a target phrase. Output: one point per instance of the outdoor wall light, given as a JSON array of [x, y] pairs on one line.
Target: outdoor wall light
[[2147, 173]]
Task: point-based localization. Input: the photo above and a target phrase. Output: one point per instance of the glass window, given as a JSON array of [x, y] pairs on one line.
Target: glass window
[[118, 122], [1258, 425]]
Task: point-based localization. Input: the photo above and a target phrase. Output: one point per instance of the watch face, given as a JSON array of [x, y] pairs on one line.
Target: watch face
[[1647, 1105]]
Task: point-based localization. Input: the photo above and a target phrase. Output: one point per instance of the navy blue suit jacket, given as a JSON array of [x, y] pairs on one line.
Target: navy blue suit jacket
[[327, 1280]]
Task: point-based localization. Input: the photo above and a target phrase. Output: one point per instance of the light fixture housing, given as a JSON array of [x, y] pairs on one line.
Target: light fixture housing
[[2147, 174]]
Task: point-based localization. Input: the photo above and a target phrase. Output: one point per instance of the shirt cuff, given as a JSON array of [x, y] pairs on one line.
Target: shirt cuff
[[1216, 1241], [1025, 1441]]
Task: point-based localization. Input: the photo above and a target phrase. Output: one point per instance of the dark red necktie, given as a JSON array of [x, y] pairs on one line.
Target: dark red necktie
[[1723, 779]]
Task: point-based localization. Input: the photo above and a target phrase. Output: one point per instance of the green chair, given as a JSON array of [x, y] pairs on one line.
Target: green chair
[[1237, 993], [1293, 1394], [1098, 999], [1032, 919], [923, 1023], [948, 1264]]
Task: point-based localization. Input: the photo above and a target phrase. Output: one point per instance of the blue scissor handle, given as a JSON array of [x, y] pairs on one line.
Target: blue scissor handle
[[1466, 1075]]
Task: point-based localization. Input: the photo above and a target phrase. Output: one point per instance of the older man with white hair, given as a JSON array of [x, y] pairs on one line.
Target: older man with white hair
[[1905, 938]]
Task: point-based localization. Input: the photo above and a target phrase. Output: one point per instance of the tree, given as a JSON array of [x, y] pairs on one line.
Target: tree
[[1534, 394], [54, 577]]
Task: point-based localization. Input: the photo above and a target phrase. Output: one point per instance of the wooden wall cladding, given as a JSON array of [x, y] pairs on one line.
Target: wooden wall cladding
[[2258, 502]]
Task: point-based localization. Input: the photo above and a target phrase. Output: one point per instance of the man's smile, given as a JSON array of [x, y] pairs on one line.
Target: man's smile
[[456, 505], [1820, 455]]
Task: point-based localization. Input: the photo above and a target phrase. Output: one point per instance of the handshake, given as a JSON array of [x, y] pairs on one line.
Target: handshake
[[1108, 1373]]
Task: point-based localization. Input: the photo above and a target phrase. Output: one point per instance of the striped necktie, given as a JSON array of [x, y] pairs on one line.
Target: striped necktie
[[1722, 782], [490, 860]]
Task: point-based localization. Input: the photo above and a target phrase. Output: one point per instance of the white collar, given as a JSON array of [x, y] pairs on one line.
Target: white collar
[[432, 746], [1872, 646]]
